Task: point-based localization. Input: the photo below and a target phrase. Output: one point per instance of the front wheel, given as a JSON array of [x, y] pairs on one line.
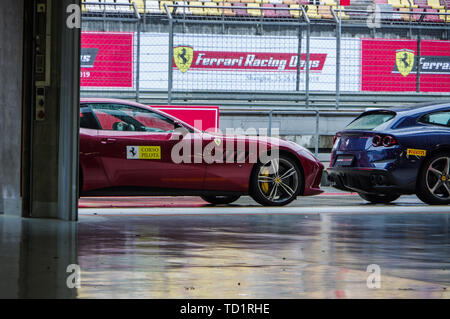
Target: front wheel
[[220, 200], [379, 199], [276, 183], [433, 185]]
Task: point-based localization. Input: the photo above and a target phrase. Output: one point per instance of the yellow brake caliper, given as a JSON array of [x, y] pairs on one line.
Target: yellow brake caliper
[[265, 186]]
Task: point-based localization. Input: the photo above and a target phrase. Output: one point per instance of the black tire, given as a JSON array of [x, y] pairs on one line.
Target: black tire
[[269, 188], [220, 200], [435, 174], [379, 199]]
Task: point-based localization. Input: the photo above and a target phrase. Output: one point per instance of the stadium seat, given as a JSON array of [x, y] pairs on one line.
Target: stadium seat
[[182, 10], [435, 4], [381, 1], [396, 16], [228, 12], [329, 3], [110, 7], [416, 17], [124, 9], [211, 11], [140, 5], [312, 12], [396, 4], [276, 1], [195, 10], [83, 6], [163, 8], [283, 13], [92, 8], [289, 2], [253, 12], [386, 11], [268, 13], [408, 4], [240, 12], [432, 17], [342, 14], [152, 6], [443, 17], [421, 3], [295, 13], [325, 12], [404, 16]]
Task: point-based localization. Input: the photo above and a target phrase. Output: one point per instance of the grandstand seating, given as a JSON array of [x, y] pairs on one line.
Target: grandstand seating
[[392, 10]]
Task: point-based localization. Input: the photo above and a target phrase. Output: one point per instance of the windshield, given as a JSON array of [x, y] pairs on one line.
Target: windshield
[[370, 121]]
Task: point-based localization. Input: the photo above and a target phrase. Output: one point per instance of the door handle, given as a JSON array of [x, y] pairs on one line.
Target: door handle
[[108, 141]]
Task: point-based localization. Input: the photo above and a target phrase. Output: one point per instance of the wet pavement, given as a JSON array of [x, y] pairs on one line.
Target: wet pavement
[[307, 250]]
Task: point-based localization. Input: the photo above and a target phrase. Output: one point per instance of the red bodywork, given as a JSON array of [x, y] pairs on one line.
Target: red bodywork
[[106, 170]]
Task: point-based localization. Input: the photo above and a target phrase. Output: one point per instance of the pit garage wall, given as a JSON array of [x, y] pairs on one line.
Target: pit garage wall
[[11, 30]]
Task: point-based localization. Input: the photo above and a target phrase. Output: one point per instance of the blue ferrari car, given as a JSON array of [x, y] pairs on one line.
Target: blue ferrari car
[[386, 153]]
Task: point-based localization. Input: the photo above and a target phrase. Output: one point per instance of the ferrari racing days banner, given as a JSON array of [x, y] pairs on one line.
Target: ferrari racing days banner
[[240, 62], [107, 59], [392, 65]]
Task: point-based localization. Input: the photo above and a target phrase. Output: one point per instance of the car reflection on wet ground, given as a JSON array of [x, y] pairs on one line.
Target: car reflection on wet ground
[[199, 252]]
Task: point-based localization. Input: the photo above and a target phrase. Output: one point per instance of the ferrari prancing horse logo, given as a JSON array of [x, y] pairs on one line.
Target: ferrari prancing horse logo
[[404, 59], [183, 57]]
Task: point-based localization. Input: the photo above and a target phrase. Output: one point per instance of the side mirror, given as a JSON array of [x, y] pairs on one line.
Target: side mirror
[[178, 125]]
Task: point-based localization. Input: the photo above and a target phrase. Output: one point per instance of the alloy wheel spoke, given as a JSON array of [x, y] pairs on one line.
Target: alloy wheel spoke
[[288, 189], [265, 179], [447, 188], [274, 192], [446, 168], [436, 186], [435, 171], [288, 174]]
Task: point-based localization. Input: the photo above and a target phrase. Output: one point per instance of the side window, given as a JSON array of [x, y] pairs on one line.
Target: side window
[[437, 118], [116, 117], [87, 119]]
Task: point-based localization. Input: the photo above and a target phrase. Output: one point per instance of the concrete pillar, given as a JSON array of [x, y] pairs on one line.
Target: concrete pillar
[[11, 30], [54, 141]]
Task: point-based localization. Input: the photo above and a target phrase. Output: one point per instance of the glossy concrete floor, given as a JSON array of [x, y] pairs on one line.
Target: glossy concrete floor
[[316, 248]]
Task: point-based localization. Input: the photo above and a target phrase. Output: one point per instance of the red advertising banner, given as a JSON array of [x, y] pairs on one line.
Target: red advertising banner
[[206, 116], [107, 59], [391, 65], [186, 58]]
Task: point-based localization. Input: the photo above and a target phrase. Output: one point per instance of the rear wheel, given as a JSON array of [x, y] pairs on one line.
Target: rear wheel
[[379, 199], [276, 183], [220, 200], [433, 185]]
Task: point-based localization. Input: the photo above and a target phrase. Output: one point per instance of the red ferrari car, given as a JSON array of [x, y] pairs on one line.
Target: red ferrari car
[[130, 149]]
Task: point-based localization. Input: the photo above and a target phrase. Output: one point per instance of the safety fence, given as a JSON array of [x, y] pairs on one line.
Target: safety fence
[[192, 62]]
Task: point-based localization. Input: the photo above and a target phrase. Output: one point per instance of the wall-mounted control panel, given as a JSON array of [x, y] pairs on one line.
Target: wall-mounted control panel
[[42, 58]]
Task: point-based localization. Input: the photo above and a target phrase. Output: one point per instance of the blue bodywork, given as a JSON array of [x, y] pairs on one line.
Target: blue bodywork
[[387, 170]]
